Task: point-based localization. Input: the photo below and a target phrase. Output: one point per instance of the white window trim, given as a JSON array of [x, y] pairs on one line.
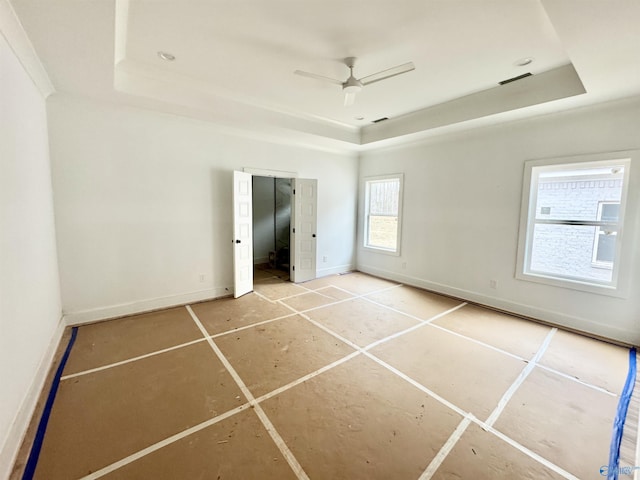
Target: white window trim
[[365, 229], [596, 241], [624, 249]]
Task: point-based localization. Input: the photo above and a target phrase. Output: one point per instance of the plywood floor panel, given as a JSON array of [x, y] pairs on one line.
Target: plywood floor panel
[[589, 360], [566, 422], [512, 334], [237, 447], [469, 375], [109, 342], [220, 316], [358, 420], [269, 356], [388, 402], [104, 416]]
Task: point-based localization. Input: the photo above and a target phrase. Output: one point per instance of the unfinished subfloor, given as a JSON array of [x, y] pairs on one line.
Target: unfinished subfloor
[[343, 377]]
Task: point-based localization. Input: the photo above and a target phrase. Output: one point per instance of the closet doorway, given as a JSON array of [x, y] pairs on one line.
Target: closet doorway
[[297, 251], [271, 226]]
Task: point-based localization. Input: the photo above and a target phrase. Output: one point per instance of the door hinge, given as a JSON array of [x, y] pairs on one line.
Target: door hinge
[[294, 268], [294, 230], [294, 191]]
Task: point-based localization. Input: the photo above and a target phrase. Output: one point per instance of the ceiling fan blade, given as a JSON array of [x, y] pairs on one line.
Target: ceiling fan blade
[[391, 72], [349, 99], [318, 77]]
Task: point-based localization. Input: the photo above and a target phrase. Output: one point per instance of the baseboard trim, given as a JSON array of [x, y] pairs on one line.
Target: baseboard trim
[[21, 421], [552, 317], [323, 272], [121, 310], [142, 306]]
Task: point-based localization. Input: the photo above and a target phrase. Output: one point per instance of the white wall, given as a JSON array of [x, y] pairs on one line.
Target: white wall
[[30, 309], [461, 215], [143, 205]]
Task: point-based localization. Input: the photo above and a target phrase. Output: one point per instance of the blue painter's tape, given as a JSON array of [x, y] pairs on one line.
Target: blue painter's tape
[[621, 416], [30, 468]]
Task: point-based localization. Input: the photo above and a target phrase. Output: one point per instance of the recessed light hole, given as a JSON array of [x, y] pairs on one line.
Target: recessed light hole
[[166, 56]]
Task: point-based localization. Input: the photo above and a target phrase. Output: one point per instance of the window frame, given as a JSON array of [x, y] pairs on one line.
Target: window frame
[[618, 287], [366, 182], [598, 233]]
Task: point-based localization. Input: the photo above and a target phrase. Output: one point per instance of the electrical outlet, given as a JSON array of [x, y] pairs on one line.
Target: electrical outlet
[[404, 264], [493, 283], [324, 259], [202, 277]]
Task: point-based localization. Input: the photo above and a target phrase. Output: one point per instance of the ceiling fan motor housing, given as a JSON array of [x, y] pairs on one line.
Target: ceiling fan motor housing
[[352, 85]]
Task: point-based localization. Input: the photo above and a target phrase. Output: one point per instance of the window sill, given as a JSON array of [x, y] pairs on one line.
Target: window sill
[[385, 251], [574, 284]]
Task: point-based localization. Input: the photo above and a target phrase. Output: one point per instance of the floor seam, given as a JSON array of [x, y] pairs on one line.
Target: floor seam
[[163, 443], [444, 329], [132, 359], [255, 403], [421, 324], [520, 379], [466, 415], [479, 342], [398, 334], [212, 421], [444, 451], [295, 312], [306, 377], [577, 380], [246, 327], [530, 453], [502, 403], [264, 419]]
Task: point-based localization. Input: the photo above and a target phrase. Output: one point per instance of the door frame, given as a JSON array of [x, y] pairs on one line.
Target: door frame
[[261, 172]]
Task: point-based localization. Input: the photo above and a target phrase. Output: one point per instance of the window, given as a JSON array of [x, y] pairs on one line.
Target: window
[[572, 222], [383, 201], [604, 244]]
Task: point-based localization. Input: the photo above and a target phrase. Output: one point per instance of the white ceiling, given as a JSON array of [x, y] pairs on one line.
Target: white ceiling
[[235, 60]]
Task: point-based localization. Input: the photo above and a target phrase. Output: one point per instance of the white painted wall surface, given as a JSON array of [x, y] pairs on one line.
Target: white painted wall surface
[[143, 205], [30, 309], [461, 214]]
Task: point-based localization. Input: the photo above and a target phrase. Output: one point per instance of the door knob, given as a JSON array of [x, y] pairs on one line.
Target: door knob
[[238, 241]]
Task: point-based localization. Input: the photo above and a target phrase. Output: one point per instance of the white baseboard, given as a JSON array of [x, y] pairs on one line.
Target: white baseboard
[[124, 309], [548, 316], [323, 272], [21, 421], [114, 311]]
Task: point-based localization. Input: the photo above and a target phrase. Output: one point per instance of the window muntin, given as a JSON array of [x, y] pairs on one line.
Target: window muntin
[[604, 243], [383, 201], [574, 220]]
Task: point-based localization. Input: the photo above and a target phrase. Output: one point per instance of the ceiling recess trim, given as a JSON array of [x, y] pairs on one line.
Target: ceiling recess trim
[[175, 92], [17, 38], [556, 84]]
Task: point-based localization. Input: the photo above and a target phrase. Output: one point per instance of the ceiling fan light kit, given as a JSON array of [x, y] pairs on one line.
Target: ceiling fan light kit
[[353, 85]]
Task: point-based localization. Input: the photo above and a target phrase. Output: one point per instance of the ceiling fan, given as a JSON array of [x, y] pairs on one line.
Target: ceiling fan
[[353, 85]]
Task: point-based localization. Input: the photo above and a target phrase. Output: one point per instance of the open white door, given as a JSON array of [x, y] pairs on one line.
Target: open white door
[[242, 234], [303, 233]]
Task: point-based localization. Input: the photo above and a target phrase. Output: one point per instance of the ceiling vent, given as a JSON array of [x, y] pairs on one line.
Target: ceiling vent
[[519, 77], [380, 119]]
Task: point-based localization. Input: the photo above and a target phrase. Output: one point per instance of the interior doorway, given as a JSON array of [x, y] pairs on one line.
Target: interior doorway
[[271, 226], [298, 252]]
